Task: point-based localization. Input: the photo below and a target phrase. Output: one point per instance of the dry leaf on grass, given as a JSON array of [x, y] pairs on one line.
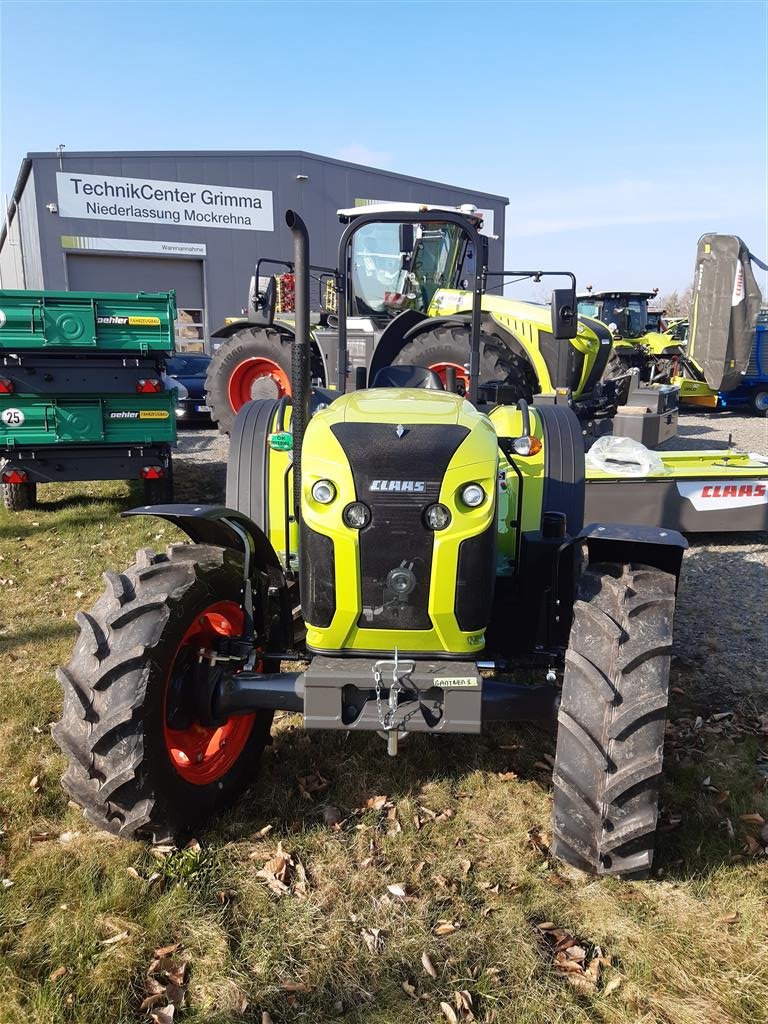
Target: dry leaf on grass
[[449, 1013], [397, 890], [409, 989], [266, 1018], [752, 819], [294, 986], [572, 958], [373, 939], [58, 973], [446, 927], [612, 985], [731, 918], [377, 803], [166, 982], [164, 1016], [312, 783], [115, 939], [429, 967], [278, 871]]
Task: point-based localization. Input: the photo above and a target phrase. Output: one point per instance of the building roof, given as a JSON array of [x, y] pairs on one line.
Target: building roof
[[27, 162], [249, 153]]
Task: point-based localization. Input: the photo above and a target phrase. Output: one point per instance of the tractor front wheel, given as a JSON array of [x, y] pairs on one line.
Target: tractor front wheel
[[611, 722], [141, 760], [448, 346], [254, 362]]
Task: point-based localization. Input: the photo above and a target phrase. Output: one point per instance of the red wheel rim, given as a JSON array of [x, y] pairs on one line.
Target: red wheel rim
[[245, 375], [462, 377], [203, 754]]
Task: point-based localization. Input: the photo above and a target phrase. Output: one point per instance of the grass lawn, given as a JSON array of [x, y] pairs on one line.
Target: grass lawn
[[415, 888]]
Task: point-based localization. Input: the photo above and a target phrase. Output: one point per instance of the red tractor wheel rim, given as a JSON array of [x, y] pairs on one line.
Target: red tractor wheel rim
[[462, 377], [203, 754], [245, 375]]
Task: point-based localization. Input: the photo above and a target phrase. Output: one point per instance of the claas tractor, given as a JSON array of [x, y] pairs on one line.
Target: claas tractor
[[384, 556], [409, 305], [640, 338]]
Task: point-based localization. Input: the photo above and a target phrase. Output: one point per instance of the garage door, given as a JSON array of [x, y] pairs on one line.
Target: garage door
[[91, 273]]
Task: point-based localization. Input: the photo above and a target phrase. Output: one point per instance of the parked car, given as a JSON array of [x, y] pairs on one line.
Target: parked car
[[187, 371]]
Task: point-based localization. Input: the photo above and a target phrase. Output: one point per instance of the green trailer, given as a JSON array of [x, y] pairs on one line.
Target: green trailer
[[82, 390], [141, 322]]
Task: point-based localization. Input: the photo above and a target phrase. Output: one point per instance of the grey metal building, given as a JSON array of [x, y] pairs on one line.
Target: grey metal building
[[193, 221]]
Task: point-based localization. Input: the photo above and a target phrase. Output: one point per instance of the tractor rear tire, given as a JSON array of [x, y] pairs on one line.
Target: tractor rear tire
[[611, 721], [130, 673], [19, 497], [254, 362], [448, 344]]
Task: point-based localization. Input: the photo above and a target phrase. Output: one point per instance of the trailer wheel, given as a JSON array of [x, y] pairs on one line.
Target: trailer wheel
[[759, 402], [252, 363], [611, 722], [448, 345], [19, 497], [140, 759]]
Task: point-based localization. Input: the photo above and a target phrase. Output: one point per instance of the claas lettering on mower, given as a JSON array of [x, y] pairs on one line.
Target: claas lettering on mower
[[409, 545]]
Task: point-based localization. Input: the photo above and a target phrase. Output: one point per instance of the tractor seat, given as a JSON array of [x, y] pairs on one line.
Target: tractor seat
[[407, 377]]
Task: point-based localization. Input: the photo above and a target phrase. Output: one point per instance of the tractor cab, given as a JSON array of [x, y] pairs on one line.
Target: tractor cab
[[626, 314], [399, 266]]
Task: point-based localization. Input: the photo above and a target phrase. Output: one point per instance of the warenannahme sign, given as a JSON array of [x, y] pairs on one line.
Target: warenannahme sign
[[187, 204]]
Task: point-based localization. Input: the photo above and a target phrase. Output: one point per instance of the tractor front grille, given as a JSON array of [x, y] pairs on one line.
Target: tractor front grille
[[398, 472]]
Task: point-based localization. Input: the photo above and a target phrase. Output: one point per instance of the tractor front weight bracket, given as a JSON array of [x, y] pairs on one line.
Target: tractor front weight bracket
[[422, 695]]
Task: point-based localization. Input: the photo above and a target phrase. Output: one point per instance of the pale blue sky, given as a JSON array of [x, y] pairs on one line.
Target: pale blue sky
[[621, 131]]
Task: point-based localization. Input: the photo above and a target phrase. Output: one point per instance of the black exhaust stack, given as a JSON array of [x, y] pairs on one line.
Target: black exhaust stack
[[300, 354]]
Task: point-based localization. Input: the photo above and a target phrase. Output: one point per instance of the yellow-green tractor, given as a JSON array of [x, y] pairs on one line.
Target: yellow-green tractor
[[640, 338], [383, 554], [409, 304]]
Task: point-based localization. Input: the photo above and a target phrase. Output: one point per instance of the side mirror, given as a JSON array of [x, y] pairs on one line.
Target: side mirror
[[407, 237], [565, 320]]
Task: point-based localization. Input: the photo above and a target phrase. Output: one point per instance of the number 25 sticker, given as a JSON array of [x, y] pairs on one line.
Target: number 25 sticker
[[12, 417]]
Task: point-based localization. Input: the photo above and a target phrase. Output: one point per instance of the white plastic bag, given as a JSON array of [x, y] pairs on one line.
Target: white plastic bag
[[624, 457]]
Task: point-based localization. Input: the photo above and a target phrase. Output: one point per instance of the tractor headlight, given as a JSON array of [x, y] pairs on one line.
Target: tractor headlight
[[323, 491], [473, 495], [437, 517], [357, 515]]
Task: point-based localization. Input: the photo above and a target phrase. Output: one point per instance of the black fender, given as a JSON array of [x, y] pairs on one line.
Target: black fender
[[624, 542], [563, 489], [221, 526], [227, 330]]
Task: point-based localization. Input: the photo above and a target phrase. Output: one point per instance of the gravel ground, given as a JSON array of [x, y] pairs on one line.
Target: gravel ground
[[721, 630]]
